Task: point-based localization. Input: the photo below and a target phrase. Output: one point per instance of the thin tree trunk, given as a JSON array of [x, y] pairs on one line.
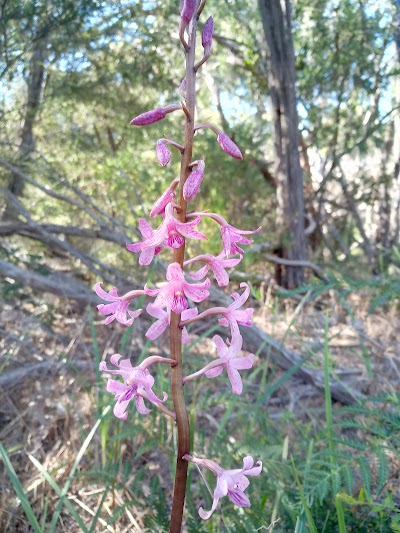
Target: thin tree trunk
[[34, 90], [276, 19]]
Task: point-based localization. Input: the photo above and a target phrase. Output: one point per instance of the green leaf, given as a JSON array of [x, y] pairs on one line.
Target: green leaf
[[20, 491]]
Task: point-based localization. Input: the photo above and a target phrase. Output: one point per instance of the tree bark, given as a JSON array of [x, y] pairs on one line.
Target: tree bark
[[276, 20], [34, 92]]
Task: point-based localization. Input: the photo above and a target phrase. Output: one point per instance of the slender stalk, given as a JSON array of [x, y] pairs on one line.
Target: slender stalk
[[182, 419]]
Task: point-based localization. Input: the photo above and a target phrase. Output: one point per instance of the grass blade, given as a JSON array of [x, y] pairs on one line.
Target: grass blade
[[57, 489], [19, 490]]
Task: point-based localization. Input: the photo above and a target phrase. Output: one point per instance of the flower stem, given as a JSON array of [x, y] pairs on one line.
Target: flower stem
[[182, 419]]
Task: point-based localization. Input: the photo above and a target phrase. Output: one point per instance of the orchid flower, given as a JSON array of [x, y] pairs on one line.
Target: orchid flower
[[137, 383], [217, 264], [118, 308], [231, 483], [146, 254], [158, 327], [174, 293], [233, 316], [171, 233], [227, 359], [231, 236]]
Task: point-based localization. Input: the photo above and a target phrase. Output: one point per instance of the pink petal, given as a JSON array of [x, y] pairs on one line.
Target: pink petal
[[115, 358], [116, 387], [256, 471], [120, 409], [220, 274], [190, 313], [200, 273], [235, 379], [243, 298], [101, 293], [156, 329], [140, 406], [156, 312], [221, 346], [174, 272], [243, 363], [135, 247], [188, 232], [145, 229], [146, 256], [185, 335], [214, 372], [239, 498]]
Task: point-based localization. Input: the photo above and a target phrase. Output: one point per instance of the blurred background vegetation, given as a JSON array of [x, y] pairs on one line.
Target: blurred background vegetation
[[321, 405]]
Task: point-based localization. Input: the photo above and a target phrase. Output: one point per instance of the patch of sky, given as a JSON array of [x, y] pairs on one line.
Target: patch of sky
[[236, 106]]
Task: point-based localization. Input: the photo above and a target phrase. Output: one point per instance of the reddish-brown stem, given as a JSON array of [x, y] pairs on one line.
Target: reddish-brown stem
[[182, 419]]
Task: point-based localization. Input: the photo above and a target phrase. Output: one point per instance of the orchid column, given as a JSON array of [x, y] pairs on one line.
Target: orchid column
[[171, 305]]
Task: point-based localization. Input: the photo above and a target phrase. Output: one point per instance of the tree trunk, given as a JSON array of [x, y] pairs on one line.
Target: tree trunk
[[276, 20], [34, 90]]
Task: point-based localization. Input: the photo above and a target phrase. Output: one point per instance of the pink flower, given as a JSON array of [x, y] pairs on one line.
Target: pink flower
[[217, 264], [137, 383], [231, 236], [147, 254], [171, 233], [162, 152], [118, 309], [232, 316], [227, 359], [231, 483], [158, 327], [228, 146], [166, 198], [207, 35], [174, 293], [193, 182], [155, 115], [187, 11]]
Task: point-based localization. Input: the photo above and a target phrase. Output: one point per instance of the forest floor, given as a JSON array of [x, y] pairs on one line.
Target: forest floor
[[49, 396]]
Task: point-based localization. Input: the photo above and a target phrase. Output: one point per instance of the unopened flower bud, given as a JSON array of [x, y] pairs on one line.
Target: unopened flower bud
[[166, 197], [207, 34], [162, 152], [187, 11], [192, 184], [229, 146], [150, 117]]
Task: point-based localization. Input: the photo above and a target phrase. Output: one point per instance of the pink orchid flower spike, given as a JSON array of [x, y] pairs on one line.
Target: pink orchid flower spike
[[227, 360], [138, 383], [174, 293], [231, 483], [118, 308], [233, 316], [171, 233], [163, 320], [218, 264]]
